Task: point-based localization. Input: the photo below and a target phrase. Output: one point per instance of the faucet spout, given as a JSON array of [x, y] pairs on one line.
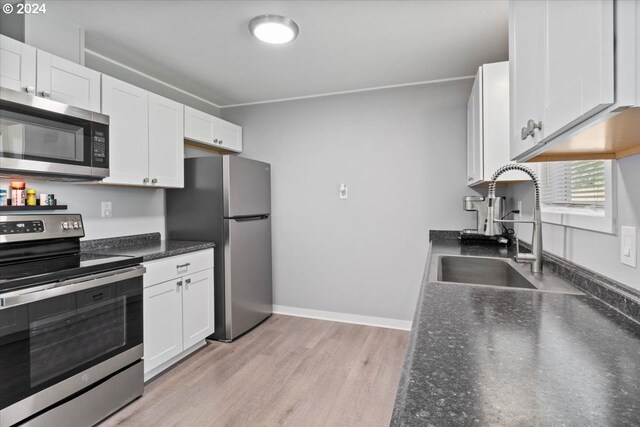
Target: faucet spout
[[535, 257]]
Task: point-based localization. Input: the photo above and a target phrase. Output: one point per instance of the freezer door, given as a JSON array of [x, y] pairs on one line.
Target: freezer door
[[247, 186], [247, 274]]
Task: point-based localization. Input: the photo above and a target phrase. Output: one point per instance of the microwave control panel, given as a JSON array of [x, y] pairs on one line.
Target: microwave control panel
[[99, 147]]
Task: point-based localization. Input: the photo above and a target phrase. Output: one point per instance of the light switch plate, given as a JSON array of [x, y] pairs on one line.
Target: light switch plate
[[628, 246]]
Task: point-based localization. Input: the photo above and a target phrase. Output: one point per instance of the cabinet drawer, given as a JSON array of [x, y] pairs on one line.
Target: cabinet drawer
[[176, 266]]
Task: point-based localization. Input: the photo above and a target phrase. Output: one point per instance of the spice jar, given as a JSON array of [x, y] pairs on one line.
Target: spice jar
[[17, 193], [31, 197]]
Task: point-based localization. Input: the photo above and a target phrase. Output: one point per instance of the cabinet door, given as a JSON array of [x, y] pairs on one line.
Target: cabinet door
[[579, 74], [198, 126], [162, 323], [197, 306], [67, 82], [229, 136], [127, 107], [474, 132], [166, 142], [526, 71], [17, 65]]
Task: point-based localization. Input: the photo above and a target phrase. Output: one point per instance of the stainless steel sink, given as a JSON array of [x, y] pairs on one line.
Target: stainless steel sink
[[485, 271], [495, 272]]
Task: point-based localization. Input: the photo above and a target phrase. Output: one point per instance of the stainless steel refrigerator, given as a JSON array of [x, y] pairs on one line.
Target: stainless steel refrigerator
[[227, 200]]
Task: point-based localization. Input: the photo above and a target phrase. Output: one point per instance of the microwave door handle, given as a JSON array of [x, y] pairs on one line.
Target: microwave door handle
[[50, 290]]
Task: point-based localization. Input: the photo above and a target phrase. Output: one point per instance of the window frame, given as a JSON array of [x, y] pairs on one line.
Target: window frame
[[603, 221]]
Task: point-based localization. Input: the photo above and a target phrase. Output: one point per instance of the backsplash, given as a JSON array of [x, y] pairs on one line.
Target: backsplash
[[134, 210]]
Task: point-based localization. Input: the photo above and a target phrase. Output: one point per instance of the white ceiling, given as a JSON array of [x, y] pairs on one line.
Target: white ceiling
[[205, 47]]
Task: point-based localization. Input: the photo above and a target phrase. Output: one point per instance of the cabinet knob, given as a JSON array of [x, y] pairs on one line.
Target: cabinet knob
[[30, 89], [530, 129], [187, 281], [215, 141], [220, 142], [45, 94], [179, 283], [145, 181], [470, 179], [154, 181]]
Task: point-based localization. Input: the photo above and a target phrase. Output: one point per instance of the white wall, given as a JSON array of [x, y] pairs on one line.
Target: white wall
[[599, 252], [135, 210], [402, 154]]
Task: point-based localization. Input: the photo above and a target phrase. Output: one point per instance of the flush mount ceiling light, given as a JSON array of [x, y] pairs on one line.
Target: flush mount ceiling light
[[273, 29]]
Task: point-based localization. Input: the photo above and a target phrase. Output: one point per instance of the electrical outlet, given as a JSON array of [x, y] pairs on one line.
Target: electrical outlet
[[628, 246], [106, 210], [343, 191]]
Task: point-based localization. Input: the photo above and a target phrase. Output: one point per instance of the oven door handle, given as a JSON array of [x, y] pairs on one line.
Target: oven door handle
[[50, 290]]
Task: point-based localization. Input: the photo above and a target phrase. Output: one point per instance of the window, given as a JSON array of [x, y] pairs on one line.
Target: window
[[578, 194]]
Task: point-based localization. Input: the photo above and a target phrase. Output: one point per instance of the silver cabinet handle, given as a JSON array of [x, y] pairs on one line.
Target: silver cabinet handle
[[145, 181], [45, 94], [30, 89], [530, 129], [185, 265], [154, 181]]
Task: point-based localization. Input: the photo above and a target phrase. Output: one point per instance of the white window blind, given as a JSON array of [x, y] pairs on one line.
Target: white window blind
[[574, 184]]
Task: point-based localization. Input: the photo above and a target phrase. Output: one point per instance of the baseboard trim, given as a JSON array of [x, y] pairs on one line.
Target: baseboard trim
[[380, 322]]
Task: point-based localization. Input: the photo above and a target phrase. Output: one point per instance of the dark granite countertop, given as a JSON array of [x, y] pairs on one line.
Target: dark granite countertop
[[491, 356], [148, 246]]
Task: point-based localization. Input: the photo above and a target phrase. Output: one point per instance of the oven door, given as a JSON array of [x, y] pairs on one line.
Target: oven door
[[57, 339], [43, 137]]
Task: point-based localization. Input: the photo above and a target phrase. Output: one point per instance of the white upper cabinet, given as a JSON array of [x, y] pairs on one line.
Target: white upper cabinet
[[474, 132], [210, 130], [526, 79], [145, 136], [198, 126], [17, 65], [128, 110], [67, 82], [229, 136], [579, 61], [571, 85], [27, 69], [488, 125], [166, 153]]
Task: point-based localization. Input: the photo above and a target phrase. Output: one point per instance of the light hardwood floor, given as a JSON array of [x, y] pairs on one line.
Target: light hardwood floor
[[289, 371]]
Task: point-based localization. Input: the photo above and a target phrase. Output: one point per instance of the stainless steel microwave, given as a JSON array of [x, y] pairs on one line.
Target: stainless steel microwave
[[41, 137]]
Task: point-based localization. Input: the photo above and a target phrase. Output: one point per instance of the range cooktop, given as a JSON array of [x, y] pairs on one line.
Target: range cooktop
[[39, 249]]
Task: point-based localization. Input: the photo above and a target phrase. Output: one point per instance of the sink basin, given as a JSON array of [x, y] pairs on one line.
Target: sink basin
[[495, 272], [484, 271]]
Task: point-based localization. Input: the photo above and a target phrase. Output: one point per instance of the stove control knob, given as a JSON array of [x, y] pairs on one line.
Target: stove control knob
[[64, 225], [76, 225]]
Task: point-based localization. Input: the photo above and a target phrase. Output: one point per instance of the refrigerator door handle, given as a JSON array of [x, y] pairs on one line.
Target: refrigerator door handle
[[241, 218]]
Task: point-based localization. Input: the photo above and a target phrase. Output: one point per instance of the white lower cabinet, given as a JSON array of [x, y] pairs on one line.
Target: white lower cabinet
[[178, 308], [197, 304]]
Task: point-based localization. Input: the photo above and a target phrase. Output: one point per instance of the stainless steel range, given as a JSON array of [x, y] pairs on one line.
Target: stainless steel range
[[70, 325]]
